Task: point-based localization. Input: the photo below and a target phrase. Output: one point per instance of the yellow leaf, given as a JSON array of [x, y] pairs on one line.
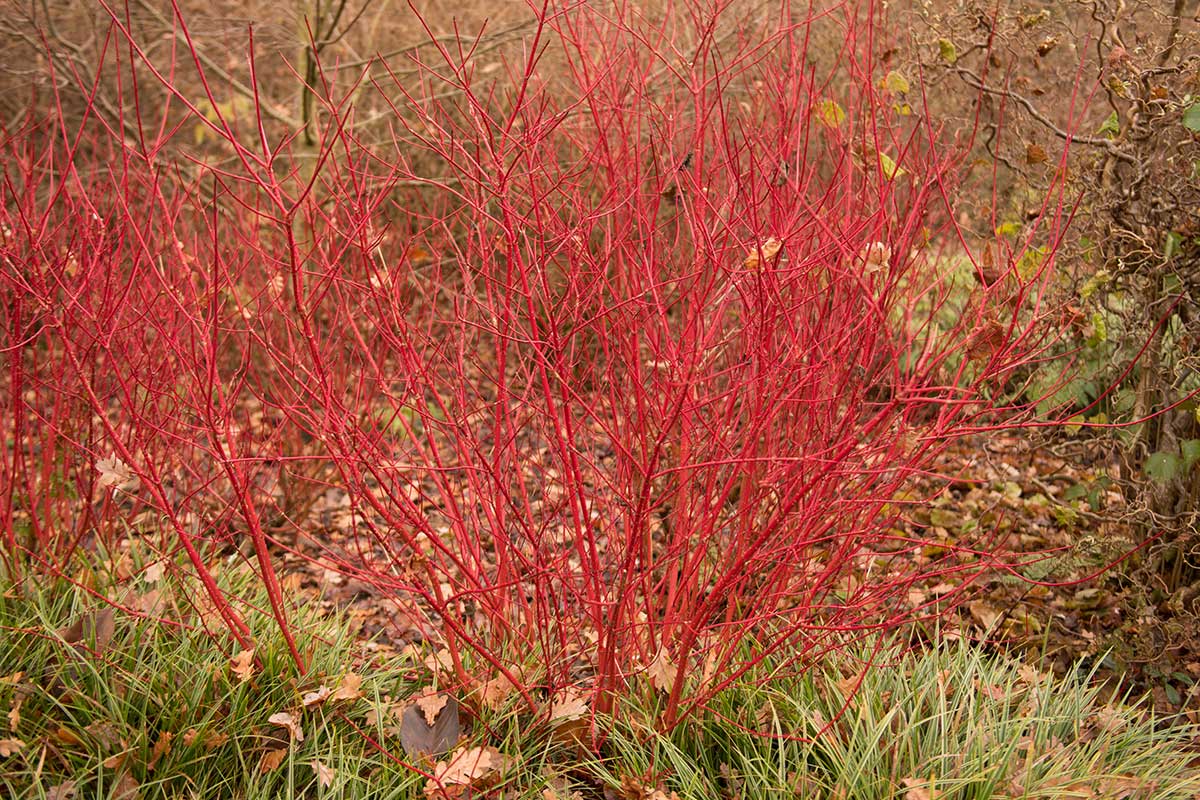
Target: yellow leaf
[[830, 114], [895, 83], [891, 170]]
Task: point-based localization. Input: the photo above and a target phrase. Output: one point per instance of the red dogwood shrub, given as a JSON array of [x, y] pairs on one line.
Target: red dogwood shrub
[[622, 354]]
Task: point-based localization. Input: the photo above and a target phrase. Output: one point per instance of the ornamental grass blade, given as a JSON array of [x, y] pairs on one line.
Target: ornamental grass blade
[[418, 736]]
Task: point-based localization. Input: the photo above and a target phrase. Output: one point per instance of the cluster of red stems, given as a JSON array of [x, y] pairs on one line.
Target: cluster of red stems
[[636, 377]]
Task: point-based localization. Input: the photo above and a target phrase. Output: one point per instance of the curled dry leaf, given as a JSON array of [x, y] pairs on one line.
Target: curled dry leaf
[[62, 791], [115, 473], [286, 720], [769, 249], [14, 713], [918, 790], [316, 698], [349, 689], [431, 705], [161, 748], [874, 257], [242, 665], [325, 775], [470, 767], [271, 760], [9, 747], [662, 671]]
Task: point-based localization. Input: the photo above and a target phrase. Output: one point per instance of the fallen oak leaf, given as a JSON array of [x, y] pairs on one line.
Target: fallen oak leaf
[[316, 698], [126, 789], [154, 572], [62, 791], [567, 706], [468, 767], [918, 790], [286, 720], [271, 760], [325, 775], [349, 689], [662, 671], [242, 665], [9, 747], [494, 692], [115, 473], [419, 737], [431, 706]]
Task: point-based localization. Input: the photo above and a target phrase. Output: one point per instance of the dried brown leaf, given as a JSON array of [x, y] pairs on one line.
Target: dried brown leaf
[[918, 790], [271, 760], [115, 473], [349, 689], [286, 720], [126, 789], [431, 705], [418, 737], [62, 791], [567, 706], [325, 775], [316, 698], [242, 665], [10, 747], [161, 747], [469, 767], [154, 572], [494, 692], [768, 249], [662, 671], [14, 713]]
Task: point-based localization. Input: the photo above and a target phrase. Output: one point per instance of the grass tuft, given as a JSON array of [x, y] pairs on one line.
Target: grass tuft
[[114, 704]]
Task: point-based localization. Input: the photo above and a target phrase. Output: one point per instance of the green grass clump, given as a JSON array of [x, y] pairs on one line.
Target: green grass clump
[[130, 707], [139, 708], [945, 724]]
